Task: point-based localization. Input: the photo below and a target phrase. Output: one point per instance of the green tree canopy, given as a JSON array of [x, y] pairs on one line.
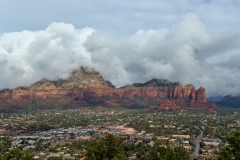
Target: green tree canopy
[[15, 153], [108, 148], [5, 144], [233, 150], [161, 150]]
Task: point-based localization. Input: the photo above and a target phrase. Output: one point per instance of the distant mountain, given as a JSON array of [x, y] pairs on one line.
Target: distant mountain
[[215, 98], [84, 88], [229, 102]]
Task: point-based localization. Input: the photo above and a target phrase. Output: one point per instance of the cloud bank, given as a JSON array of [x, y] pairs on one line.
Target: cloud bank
[[186, 52]]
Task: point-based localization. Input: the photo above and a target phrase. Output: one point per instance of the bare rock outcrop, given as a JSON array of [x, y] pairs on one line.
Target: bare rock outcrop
[[168, 105]]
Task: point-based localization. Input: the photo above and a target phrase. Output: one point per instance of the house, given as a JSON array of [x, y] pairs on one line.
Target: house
[[83, 138], [2, 129], [185, 143], [181, 136], [173, 141]]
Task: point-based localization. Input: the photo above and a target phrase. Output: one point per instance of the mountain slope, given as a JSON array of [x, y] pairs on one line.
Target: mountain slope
[[85, 88], [229, 102]]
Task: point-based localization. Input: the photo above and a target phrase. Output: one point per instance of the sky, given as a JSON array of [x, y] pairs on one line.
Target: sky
[[189, 41]]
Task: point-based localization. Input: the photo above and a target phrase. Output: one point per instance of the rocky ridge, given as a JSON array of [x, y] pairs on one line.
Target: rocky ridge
[[85, 88]]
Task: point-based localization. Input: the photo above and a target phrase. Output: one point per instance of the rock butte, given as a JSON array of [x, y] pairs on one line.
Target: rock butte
[[168, 105], [84, 88]]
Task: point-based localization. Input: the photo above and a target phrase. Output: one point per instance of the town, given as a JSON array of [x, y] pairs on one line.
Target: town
[[66, 133]]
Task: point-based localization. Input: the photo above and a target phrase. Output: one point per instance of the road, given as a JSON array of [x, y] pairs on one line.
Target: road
[[197, 143]]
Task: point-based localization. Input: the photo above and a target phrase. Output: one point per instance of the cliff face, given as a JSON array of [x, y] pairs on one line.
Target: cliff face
[[89, 88]]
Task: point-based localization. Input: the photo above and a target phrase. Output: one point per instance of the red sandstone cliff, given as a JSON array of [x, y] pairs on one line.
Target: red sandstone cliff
[[89, 88]]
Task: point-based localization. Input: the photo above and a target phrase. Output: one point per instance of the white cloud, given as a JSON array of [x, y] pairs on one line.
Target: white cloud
[[186, 52], [50, 53]]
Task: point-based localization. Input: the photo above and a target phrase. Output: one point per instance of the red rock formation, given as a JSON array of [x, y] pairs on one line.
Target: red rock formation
[[187, 90], [168, 105], [200, 95], [86, 89]]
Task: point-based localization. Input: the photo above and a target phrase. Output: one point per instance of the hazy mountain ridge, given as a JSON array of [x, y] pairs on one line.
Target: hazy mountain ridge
[[229, 101]]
